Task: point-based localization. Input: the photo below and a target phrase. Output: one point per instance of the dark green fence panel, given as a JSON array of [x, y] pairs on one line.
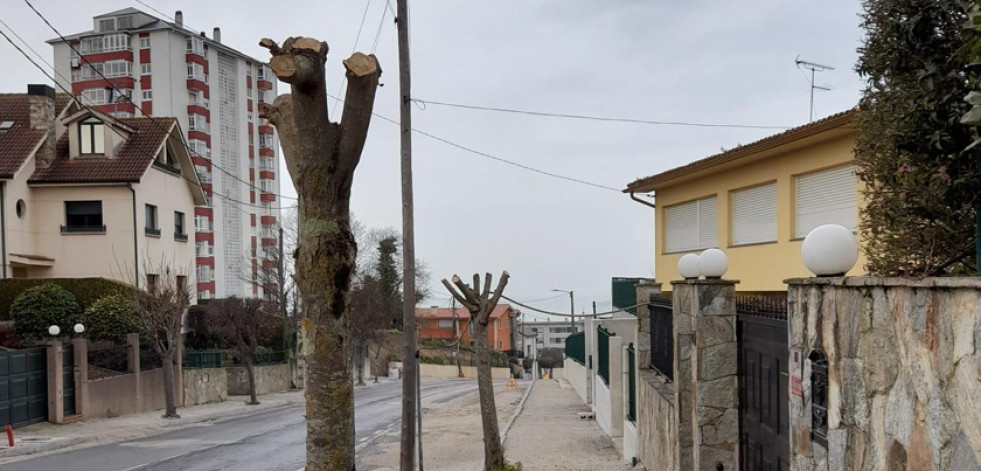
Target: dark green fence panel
[[198, 359], [575, 347], [269, 358], [631, 381], [603, 353]]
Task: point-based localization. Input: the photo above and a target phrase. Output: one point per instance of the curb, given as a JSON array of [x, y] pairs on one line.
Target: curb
[[517, 411], [24, 449]]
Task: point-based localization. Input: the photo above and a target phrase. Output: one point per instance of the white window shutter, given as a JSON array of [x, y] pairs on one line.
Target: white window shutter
[[681, 227], [754, 215], [708, 223], [827, 197]]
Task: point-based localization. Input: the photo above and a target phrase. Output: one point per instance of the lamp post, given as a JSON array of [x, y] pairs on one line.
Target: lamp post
[[572, 306]]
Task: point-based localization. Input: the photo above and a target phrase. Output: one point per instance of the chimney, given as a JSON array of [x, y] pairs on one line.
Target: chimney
[[41, 105], [179, 19], [217, 34]]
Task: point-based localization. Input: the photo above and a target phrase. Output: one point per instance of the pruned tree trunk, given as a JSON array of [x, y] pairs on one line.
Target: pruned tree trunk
[[250, 371], [321, 158], [359, 358], [481, 305], [170, 396]]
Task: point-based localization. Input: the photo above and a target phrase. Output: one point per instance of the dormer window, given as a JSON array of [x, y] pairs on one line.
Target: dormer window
[[92, 136], [5, 125]]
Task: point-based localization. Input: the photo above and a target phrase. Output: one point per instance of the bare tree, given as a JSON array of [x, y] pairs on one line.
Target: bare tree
[[321, 158], [481, 304], [161, 308], [369, 318], [241, 322]]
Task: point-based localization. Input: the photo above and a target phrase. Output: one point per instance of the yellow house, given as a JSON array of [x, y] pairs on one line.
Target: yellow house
[[757, 202]]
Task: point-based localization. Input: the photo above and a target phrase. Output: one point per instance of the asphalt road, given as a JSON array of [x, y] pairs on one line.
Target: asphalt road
[[272, 440]]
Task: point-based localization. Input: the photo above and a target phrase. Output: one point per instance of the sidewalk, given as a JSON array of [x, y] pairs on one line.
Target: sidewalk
[[549, 435]]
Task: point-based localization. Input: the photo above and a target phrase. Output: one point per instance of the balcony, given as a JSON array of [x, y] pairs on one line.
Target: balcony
[[268, 220], [105, 43]]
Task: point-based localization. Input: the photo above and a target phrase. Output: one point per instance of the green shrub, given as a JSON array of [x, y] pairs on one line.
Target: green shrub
[[85, 290], [111, 318], [41, 307], [431, 360]]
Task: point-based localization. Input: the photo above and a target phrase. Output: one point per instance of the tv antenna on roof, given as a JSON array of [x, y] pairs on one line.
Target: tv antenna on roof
[[813, 67]]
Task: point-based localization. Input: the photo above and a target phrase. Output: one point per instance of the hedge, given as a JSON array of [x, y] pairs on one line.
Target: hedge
[[86, 290], [41, 307]]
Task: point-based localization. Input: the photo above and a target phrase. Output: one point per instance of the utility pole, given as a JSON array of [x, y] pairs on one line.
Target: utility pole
[[594, 308], [813, 67], [572, 309], [409, 389]]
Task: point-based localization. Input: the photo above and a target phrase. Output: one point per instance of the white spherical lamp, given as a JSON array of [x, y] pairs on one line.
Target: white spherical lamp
[[79, 328], [54, 331], [829, 250], [713, 263], [688, 266]]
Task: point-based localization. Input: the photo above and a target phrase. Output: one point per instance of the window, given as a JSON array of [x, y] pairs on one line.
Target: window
[[94, 96], [21, 208], [691, 226], [124, 22], [199, 147], [556, 340], [145, 42], [826, 197], [197, 122], [444, 323], [179, 225], [107, 26], [266, 185], [560, 330], [195, 45], [263, 75], [145, 69], [754, 215], [117, 68], [105, 43], [83, 216], [152, 229], [202, 224], [204, 249], [147, 95], [151, 281], [262, 96], [181, 282], [91, 136], [265, 140], [196, 71], [204, 274]]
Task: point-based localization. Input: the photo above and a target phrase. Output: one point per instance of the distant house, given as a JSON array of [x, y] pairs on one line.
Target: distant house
[[757, 202], [88, 195], [544, 334], [437, 323]]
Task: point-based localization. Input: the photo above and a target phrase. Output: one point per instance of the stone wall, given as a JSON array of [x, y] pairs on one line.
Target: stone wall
[[577, 376], [657, 422], [205, 385], [268, 379], [904, 373]]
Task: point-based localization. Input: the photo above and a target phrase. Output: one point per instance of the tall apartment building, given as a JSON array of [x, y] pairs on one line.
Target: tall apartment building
[[160, 68]]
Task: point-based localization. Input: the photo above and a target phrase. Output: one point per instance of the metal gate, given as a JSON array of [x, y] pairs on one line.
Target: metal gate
[[23, 387], [764, 428]]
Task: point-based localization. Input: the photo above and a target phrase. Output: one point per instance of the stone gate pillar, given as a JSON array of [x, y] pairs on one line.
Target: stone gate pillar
[[706, 371]]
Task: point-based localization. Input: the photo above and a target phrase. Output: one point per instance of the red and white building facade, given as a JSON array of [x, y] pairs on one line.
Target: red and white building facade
[[216, 93]]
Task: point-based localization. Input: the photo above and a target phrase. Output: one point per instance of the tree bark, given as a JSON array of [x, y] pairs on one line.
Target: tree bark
[[170, 398], [359, 358], [493, 450], [250, 371], [321, 157]]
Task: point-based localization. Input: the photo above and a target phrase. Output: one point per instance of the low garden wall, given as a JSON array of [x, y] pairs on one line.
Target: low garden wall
[[268, 379], [657, 421], [450, 371], [205, 385], [903, 382], [575, 373]]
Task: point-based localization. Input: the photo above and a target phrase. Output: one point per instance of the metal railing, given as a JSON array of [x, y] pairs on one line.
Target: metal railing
[[662, 336], [268, 358], [108, 361], [199, 359], [631, 382], [767, 307], [575, 347], [603, 353]]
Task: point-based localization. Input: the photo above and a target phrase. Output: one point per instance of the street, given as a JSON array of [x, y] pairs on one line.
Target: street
[[269, 441]]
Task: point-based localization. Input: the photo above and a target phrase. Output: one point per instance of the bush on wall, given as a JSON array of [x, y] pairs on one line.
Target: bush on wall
[[86, 290], [40, 307], [112, 318]]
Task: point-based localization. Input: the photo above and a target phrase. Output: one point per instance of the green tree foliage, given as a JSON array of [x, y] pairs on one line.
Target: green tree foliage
[[112, 318], [42, 306], [920, 185], [390, 279]]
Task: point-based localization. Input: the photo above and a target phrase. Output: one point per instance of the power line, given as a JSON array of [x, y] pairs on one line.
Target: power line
[[135, 105], [374, 45], [597, 118], [490, 156], [559, 314], [353, 48], [145, 152]]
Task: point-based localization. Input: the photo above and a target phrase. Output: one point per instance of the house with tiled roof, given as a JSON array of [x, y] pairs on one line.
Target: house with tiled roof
[[439, 323], [757, 202], [85, 194]]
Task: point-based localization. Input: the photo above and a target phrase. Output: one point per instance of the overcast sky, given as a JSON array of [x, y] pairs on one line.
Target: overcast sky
[[698, 61]]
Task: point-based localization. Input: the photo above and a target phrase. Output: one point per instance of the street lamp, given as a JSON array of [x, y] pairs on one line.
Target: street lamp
[[572, 306], [54, 331]]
